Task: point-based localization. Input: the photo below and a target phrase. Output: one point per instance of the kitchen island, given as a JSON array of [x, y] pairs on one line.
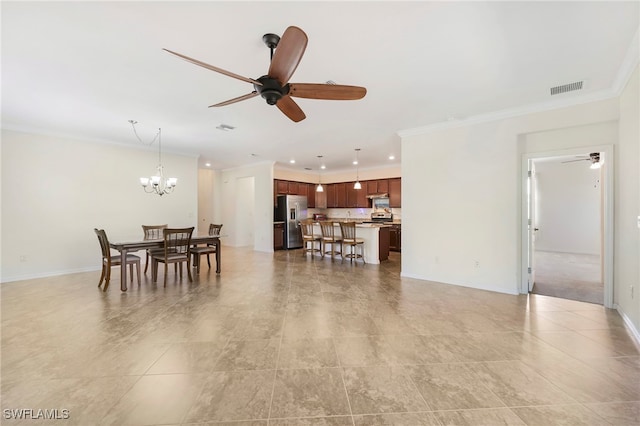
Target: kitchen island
[[375, 236]]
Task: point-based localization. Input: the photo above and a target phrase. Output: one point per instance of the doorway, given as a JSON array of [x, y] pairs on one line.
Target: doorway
[[567, 224]]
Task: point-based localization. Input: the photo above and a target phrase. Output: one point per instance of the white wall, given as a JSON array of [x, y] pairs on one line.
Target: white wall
[[55, 191], [627, 204], [464, 207], [228, 189], [206, 179], [568, 207], [245, 211]]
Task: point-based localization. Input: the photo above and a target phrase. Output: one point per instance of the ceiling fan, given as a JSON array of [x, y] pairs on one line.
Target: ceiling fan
[[594, 157], [275, 87]]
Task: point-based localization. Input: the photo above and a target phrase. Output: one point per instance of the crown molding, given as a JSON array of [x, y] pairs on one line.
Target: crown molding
[[629, 64], [510, 113]]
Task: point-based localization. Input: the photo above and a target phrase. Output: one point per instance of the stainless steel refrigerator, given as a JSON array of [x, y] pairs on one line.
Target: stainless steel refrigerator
[[291, 209]]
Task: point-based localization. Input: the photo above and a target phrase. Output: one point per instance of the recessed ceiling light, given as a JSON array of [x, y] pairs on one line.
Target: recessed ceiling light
[[355, 162], [392, 157], [292, 161], [207, 164], [323, 167]]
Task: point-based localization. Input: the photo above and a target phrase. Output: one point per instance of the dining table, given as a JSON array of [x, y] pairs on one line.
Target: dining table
[[127, 246]]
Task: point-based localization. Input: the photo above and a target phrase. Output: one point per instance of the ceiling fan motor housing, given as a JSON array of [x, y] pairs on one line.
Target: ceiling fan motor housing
[[271, 89]]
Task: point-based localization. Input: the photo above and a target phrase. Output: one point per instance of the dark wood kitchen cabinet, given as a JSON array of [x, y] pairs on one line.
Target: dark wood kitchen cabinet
[[395, 192], [380, 186], [278, 236], [395, 237], [311, 195], [341, 194], [357, 197], [282, 187], [330, 189]]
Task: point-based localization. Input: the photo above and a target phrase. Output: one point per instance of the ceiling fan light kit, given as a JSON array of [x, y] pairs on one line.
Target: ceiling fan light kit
[[274, 87]]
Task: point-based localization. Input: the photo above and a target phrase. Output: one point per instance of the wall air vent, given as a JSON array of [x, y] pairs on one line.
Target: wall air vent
[[567, 88]]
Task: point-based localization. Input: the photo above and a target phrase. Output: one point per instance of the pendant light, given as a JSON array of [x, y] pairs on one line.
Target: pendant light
[[357, 185], [319, 188]]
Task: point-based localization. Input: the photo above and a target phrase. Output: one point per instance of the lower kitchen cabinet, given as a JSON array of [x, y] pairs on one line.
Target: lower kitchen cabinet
[[383, 240], [278, 235], [395, 237]]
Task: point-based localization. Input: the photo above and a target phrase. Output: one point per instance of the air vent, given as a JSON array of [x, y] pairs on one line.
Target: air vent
[[225, 127], [567, 88]]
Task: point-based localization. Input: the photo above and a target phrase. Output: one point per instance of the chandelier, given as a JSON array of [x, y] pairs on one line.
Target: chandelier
[[156, 183]]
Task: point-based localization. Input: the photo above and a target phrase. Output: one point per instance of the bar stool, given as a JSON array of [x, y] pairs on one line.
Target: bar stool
[[348, 230], [309, 237], [329, 237]]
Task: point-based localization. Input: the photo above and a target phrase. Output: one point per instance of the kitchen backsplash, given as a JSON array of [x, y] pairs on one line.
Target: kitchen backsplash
[[354, 213]]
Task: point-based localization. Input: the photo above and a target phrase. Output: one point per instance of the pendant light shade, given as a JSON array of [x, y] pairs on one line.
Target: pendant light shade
[[319, 188], [357, 185]]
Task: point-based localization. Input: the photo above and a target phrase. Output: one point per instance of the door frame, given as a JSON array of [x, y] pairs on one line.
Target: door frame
[[607, 186]]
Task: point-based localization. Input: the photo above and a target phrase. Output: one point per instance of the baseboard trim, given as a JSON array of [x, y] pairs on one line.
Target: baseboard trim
[[630, 325], [486, 288], [27, 277]]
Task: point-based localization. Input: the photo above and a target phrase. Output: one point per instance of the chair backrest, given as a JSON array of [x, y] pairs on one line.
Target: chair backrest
[[177, 240], [327, 229], [153, 232], [348, 230], [307, 229], [214, 229], [104, 243]]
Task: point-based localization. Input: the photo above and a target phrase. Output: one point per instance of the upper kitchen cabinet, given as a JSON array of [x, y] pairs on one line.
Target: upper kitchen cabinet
[[321, 198], [341, 194], [330, 190], [311, 195], [282, 187], [294, 189], [395, 192], [357, 197], [380, 186]]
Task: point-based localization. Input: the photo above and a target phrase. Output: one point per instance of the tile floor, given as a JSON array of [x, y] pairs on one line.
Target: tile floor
[[281, 339], [569, 276]]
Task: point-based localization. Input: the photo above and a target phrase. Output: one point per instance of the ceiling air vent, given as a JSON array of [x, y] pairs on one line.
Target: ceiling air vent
[[567, 88]]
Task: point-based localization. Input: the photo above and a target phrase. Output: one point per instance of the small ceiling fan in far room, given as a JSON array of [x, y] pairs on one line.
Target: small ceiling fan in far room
[[594, 157], [274, 87]]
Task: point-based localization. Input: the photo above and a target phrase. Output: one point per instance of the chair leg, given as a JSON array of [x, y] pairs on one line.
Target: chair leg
[[107, 279], [166, 269], [102, 275], [208, 261], [154, 270], [146, 263], [188, 270], [138, 270]]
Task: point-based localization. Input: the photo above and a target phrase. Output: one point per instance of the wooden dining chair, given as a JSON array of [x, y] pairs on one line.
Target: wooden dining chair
[[108, 260], [177, 250], [349, 238], [308, 237], [208, 249], [152, 232], [329, 237]]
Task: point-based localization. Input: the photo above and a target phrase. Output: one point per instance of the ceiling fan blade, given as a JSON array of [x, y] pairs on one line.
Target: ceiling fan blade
[[326, 91], [234, 100], [288, 54], [290, 108], [212, 68]]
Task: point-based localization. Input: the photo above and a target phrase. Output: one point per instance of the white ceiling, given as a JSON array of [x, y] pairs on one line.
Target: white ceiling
[[86, 68]]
